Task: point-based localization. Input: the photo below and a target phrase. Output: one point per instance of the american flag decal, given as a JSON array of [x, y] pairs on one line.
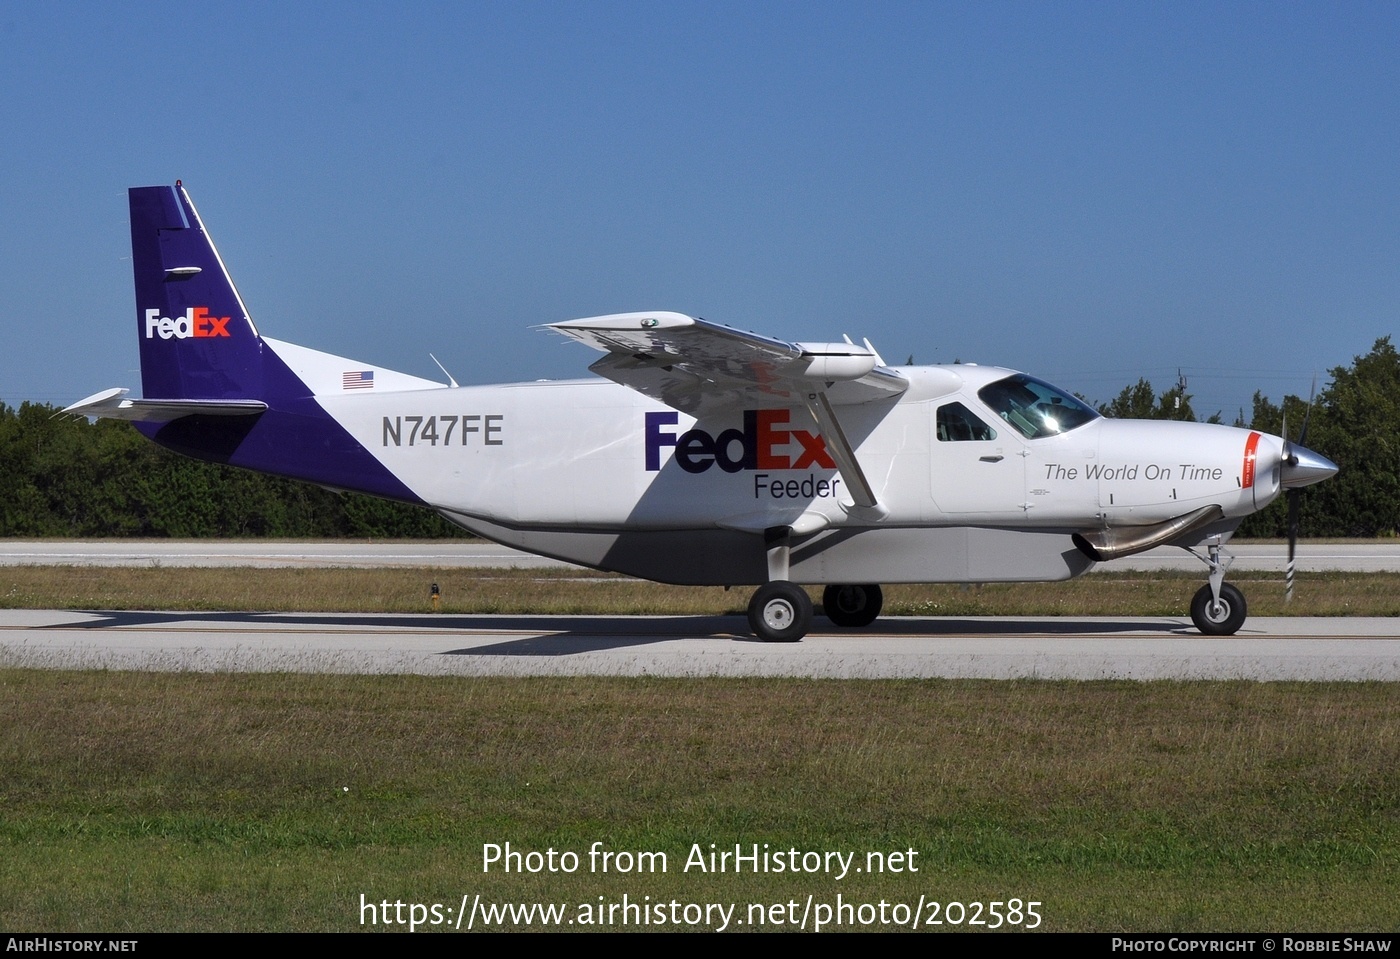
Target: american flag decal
[[358, 380]]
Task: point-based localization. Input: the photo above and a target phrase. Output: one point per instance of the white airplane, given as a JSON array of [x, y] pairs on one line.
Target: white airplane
[[702, 454]]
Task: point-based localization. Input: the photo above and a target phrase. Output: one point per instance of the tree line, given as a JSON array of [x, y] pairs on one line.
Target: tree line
[[61, 476]]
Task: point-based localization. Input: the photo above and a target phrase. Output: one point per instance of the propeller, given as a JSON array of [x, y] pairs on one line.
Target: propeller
[[1300, 467]]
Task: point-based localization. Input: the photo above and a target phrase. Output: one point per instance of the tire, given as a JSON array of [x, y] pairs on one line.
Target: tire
[[1225, 621], [780, 612], [852, 607]]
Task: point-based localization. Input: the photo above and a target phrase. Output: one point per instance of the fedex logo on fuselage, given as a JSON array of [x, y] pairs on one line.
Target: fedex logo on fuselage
[[195, 322], [763, 444]]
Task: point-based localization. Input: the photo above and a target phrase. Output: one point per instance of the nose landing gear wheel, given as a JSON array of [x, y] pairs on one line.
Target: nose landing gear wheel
[[780, 612], [1222, 620], [852, 606]]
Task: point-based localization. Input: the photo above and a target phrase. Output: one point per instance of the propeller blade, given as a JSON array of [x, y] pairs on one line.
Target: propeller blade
[[1307, 414], [1295, 493], [1294, 504]]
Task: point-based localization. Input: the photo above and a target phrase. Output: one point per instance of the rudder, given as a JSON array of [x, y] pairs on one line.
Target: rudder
[[197, 340]]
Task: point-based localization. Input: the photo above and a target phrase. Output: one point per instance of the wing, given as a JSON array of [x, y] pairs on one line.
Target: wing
[[699, 367]]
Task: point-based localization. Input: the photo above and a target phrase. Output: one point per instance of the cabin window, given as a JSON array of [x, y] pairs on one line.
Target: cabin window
[[957, 423], [1035, 408]]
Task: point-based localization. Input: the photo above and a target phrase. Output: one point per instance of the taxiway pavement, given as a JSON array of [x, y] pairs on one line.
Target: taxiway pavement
[[1355, 557], [1001, 648]]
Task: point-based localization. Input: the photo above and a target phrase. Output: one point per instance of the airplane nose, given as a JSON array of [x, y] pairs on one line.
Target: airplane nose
[[1302, 467]]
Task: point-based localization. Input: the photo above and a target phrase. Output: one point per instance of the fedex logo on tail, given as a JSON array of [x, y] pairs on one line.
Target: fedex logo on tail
[[195, 322], [763, 444]]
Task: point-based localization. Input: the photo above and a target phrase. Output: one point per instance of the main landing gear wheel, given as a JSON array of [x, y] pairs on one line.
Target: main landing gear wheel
[[780, 612], [1224, 619], [852, 606]]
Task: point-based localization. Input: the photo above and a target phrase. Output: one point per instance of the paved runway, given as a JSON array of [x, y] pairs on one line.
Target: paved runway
[[266, 553], [1087, 648], [1002, 648], [1356, 557]]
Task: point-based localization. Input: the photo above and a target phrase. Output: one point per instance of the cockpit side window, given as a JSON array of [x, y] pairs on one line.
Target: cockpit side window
[[956, 423], [1035, 408]]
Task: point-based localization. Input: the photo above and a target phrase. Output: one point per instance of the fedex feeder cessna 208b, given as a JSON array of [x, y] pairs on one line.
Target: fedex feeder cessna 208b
[[702, 454]]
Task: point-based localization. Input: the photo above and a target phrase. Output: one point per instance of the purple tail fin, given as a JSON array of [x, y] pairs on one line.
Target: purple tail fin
[[197, 341], [198, 344]]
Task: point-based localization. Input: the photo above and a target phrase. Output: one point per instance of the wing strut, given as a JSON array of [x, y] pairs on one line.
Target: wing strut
[[840, 449]]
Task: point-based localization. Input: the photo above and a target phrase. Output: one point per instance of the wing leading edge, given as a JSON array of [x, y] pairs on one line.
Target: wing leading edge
[[699, 367]]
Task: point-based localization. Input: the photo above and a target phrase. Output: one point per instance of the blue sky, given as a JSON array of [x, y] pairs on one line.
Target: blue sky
[[1090, 192]]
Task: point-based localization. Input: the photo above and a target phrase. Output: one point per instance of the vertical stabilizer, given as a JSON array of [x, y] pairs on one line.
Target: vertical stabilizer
[[197, 340], [213, 388]]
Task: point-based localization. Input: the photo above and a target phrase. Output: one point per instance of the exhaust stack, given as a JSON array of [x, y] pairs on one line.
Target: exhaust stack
[[1102, 545]]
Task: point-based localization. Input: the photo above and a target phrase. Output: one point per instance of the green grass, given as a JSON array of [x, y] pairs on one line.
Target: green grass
[[572, 591], [143, 802]]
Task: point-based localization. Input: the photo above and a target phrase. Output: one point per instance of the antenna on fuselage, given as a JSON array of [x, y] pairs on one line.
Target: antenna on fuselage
[[450, 381]]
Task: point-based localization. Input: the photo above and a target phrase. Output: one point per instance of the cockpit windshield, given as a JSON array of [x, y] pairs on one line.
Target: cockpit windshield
[[1035, 408]]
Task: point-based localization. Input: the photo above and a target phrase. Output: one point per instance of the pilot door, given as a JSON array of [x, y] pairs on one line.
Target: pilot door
[[974, 466]]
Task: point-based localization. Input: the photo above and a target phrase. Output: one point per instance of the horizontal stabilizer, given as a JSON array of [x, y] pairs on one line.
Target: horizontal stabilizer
[[113, 405]]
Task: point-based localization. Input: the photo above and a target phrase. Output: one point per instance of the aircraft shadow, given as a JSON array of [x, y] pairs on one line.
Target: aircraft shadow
[[571, 635]]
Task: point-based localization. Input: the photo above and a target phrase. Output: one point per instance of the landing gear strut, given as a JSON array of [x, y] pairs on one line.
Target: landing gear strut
[[780, 612], [1218, 609]]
